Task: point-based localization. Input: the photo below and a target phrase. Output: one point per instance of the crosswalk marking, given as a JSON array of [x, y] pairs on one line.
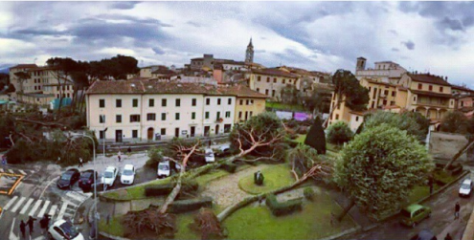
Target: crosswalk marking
[[11, 171], [1, 170], [43, 210], [18, 204], [63, 209], [52, 211], [35, 207], [10, 202], [22, 172], [77, 196], [26, 206]]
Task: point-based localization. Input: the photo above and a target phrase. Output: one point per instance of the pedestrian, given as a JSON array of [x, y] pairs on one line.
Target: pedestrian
[[456, 211], [129, 150], [119, 156], [80, 162], [43, 224], [209, 143], [31, 223], [448, 237], [22, 228]]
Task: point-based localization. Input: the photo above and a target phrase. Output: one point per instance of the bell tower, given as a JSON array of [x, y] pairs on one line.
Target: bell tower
[[249, 53]]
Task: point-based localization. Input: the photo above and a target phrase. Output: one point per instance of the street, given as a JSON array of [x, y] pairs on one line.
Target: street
[[440, 223]]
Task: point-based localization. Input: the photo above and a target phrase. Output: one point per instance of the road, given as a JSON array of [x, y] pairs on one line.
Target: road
[[441, 221]]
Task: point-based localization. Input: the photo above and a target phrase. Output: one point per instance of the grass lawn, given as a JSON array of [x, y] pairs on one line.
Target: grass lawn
[[275, 177], [313, 222], [283, 106], [114, 228], [300, 138], [137, 192], [213, 174], [420, 192], [182, 222]]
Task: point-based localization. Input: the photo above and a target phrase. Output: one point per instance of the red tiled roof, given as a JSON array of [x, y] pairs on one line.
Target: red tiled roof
[[242, 91], [428, 78], [461, 88], [274, 72], [25, 66], [433, 94]]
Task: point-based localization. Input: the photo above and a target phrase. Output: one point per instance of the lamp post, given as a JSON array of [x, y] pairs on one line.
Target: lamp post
[[103, 142], [95, 178]]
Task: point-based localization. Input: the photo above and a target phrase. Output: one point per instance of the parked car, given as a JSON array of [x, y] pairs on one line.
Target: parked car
[[68, 178], [128, 174], [109, 176], [466, 188], [164, 169], [424, 235], [87, 179], [414, 214], [62, 229], [209, 155], [224, 150]]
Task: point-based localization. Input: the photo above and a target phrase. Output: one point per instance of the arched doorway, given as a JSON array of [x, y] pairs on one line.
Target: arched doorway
[[150, 134]]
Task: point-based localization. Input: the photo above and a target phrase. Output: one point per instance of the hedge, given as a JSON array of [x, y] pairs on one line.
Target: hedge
[[229, 167], [182, 206], [282, 208], [158, 190], [308, 193]]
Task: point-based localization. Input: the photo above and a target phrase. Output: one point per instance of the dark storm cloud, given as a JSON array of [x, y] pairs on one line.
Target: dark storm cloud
[[158, 50], [292, 57], [409, 45], [124, 5], [453, 24]]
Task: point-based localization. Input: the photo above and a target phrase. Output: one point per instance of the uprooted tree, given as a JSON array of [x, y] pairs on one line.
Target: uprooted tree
[[379, 167], [208, 225]]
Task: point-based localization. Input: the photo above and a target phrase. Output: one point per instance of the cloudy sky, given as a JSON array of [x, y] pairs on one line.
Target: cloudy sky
[[325, 36]]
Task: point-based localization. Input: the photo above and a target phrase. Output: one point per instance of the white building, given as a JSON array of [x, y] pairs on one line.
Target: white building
[[150, 110]]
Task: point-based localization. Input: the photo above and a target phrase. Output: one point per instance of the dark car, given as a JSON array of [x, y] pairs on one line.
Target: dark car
[[87, 179], [68, 178]]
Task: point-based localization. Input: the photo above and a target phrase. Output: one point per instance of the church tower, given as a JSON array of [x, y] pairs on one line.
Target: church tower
[[249, 53]]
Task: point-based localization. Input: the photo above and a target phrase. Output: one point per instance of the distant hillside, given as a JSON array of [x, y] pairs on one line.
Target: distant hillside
[[4, 67]]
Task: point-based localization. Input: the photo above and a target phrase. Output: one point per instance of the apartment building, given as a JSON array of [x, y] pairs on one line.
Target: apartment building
[[43, 85], [270, 81], [150, 110]]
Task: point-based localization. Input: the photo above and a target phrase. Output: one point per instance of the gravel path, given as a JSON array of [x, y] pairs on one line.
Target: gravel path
[[225, 191]]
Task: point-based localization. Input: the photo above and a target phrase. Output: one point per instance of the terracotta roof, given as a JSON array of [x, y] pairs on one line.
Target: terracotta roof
[[433, 94], [169, 87], [428, 78], [461, 88], [274, 72], [25, 66], [381, 83]]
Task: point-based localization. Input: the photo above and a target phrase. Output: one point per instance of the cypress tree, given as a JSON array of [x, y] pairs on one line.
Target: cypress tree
[[316, 137]]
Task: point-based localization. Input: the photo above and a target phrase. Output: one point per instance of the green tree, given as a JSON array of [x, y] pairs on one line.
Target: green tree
[[11, 88], [339, 133], [316, 137], [407, 122], [454, 122], [347, 87], [379, 167], [301, 159]]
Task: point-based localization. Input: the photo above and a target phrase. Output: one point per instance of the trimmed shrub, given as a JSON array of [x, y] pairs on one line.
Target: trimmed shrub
[[158, 190], [282, 208], [339, 133], [308, 193], [229, 167]]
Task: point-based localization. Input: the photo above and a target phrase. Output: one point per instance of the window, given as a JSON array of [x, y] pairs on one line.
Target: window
[[151, 117], [357, 118], [462, 104], [266, 91], [178, 102], [258, 78], [193, 115], [258, 89], [134, 118], [151, 102], [251, 113], [176, 116], [273, 93], [414, 99], [227, 128], [118, 103], [194, 102], [430, 87], [274, 80], [441, 89], [385, 92], [163, 131], [163, 117], [375, 93], [392, 103], [251, 102], [207, 115], [218, 101], [118, 118], [101, 134], [420, 86], [384, 102], [134, 133], [240, 114], [268, 79], [208, 101], [227, 114], [218, 115], [229, 101], [283, 81], [337, 116], [394, 94], [247, 102], [101, 118], [163, 102], [135, 102], [241, 102]]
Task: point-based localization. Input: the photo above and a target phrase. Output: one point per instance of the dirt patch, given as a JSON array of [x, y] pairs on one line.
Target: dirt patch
[[225, 191]]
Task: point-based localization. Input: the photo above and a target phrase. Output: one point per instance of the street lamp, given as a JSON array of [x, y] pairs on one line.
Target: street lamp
[[95, 177]]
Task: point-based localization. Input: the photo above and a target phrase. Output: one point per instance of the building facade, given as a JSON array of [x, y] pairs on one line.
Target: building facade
[[271, 81]]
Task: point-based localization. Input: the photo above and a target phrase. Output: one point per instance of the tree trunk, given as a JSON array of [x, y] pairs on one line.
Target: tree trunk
[[346, 210], [465, 148], [173, 194]]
